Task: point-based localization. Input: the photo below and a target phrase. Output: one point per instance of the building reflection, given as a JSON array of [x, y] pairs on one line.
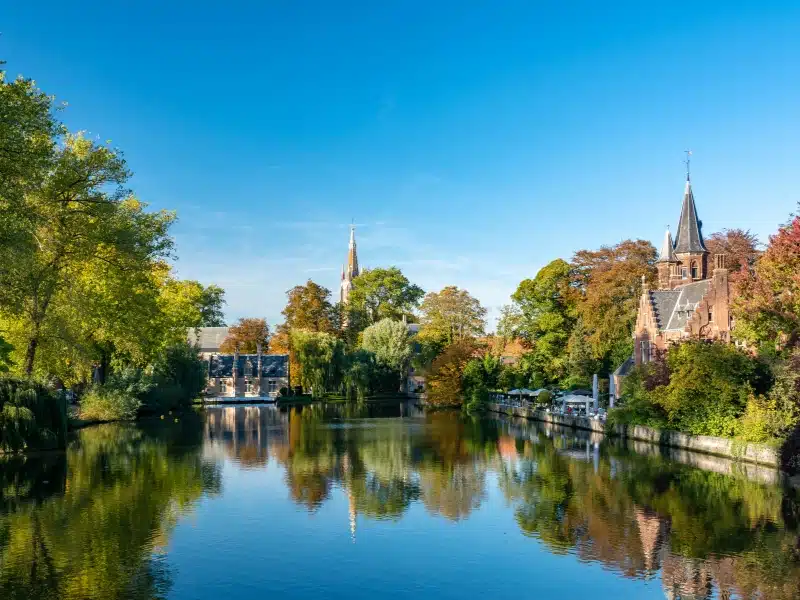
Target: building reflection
[[246, 433]]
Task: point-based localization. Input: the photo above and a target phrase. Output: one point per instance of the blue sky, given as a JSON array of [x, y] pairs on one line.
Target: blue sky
[[471, 142]]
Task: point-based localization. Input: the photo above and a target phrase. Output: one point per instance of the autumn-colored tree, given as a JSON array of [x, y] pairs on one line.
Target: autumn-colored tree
[[309, 307], [248, 336], [766, 299], [444, 382], [280, 343], [610, 282], [739, 246], [450, 316]]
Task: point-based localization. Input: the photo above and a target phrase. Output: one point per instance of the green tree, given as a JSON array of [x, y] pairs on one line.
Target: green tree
[[321, 357], [80, 216], [547, 304], [210, 303], [451, 316], [389, 342], [582, 364], [28, 133], [382, 294]]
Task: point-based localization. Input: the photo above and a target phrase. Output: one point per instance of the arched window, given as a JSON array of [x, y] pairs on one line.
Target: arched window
[[695, 270]]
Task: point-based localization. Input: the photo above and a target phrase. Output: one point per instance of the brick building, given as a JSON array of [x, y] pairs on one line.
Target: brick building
[[693, 295]]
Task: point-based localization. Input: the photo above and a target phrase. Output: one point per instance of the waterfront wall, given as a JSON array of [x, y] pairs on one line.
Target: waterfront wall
[[729, 448]]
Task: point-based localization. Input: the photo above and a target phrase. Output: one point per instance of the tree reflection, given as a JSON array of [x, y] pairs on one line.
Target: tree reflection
[[704, 532], [93, 533]]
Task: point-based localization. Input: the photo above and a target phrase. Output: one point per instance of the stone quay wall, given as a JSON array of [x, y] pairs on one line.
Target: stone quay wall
[[717, 446]]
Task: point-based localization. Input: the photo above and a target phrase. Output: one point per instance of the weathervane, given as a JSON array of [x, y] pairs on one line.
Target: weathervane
[[688, 154]]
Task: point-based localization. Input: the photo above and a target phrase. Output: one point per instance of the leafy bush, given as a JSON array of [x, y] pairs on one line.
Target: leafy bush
[[31, 416], [107, 403], [474, 384], [709, 387]]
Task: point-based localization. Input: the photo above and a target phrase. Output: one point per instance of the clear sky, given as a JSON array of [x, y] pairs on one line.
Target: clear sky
[[472, 142]]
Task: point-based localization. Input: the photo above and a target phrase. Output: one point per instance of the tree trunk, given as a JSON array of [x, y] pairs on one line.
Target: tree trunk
[[30, 353]]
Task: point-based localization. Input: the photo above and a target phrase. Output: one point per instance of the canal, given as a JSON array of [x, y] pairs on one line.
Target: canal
[[386, 502]]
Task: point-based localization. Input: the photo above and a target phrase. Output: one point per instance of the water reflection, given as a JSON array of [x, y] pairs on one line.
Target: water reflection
[[95, 522], [92, 522]]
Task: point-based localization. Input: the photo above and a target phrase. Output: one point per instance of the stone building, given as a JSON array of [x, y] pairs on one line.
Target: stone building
[[245, 381], [349, 271], [693, 293]]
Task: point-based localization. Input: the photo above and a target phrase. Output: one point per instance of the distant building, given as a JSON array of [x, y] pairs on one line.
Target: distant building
[[690, 302], [349, 271], [207, 339], [245, 382]]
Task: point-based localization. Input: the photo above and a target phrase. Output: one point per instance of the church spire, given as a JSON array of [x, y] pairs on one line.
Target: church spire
[[689, 237], [352, 254], [667, 251]]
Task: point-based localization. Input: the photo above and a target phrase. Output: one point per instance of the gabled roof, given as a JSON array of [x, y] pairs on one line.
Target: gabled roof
[[208, 339], [674, 308], [667, 252], [272, 365], [689, 237]]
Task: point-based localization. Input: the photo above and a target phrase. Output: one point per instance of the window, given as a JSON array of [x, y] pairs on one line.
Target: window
[[272, 386], [645, 346], [695, 271], [223, 386], [685, 273], [248, 385]]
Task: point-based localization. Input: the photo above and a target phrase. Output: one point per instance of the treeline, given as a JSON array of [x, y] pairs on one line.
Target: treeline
[[366, 346], [86, 288]]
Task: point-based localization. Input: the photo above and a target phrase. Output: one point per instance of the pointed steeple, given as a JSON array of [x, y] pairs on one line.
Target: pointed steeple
[[352, 254], [689, 237], [667, 251]]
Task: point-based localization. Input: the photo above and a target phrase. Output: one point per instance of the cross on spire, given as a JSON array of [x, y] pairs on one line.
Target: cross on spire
[[686, 162]]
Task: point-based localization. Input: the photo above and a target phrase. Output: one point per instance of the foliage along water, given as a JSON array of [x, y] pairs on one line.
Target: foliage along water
[[349, 502]]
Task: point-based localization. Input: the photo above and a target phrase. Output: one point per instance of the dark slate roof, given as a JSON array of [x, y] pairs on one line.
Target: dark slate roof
[[272, 365], [663, 302], [689, 237], [667, 253], [625, 367], [208, 339], [673, 308]]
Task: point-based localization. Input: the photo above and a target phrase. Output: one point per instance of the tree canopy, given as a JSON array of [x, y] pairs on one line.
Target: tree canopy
[[382, 294], [309, 307], [248, 336], [451, 315]]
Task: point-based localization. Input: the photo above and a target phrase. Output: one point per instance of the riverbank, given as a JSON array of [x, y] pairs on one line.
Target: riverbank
[[759, 454]]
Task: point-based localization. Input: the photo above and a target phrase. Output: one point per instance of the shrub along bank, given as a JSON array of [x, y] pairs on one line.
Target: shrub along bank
[[171, 383], [714, 389]]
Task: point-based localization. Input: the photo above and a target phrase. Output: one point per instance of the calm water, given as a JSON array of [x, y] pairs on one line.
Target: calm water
[[256, 502]]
